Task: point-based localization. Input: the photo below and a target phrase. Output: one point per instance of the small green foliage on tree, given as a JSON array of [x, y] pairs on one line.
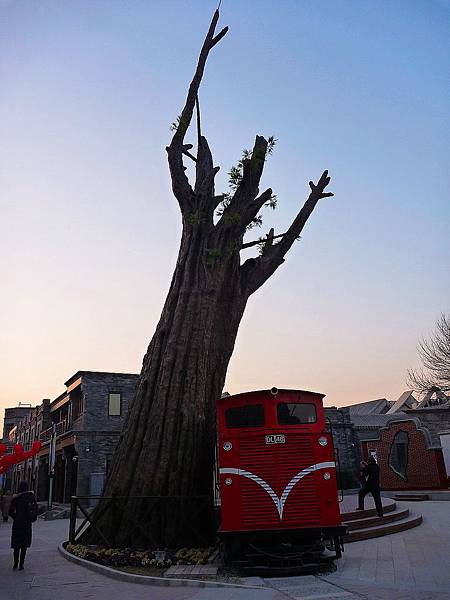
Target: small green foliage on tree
[[235, 175]]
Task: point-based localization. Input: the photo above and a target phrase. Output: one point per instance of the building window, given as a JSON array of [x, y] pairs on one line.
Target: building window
[[115, 404], [398, 455]]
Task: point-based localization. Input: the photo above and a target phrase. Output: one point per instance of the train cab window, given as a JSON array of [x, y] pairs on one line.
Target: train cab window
[[250, 415], [296, 414]]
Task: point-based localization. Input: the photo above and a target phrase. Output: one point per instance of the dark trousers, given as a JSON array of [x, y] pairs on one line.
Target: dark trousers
[[19, 553], [376, 496]]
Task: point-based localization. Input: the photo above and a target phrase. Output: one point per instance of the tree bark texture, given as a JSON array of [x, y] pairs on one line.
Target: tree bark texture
[[167, 445]]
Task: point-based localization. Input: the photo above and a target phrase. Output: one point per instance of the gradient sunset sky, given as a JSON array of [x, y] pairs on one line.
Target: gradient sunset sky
[[89, 227]]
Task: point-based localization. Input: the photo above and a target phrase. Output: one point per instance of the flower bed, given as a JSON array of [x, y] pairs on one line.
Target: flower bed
[[127, 557]]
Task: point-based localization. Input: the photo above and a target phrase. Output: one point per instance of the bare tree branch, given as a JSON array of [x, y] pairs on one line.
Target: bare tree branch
[[250, 212], [186, 114], [267, 241], [317, 193], [205, 171], [180, 184], [434, 354], [186, 148], [206, 188], [257, 271], [199, 122]]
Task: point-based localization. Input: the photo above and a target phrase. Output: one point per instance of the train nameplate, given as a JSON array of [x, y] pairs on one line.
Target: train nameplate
[[275, 439]]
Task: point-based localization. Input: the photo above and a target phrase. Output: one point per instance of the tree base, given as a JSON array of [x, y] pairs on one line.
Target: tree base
[[152, 522]]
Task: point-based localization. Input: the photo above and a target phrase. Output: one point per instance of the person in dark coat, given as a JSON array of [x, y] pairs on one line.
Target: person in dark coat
[[362, 474], [22, 510], [5, 504], [372, 485]]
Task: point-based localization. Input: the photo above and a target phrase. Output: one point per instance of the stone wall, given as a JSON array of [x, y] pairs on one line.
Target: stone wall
[[436, 420], [96, 443], [425, 467], [347, 443], [95, 451], [96, 388]]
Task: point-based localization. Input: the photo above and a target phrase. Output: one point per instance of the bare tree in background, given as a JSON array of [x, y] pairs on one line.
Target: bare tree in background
[[435, 357], [167, 444]]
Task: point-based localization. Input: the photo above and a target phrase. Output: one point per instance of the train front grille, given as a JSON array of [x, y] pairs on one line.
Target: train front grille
[[276, 465]]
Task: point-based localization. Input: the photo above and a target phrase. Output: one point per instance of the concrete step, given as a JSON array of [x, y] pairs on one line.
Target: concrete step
[[389, 505], [412, 520], [411, 497], [390, 517], [198, 571]]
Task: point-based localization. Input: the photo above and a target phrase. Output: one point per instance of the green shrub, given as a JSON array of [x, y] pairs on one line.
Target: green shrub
[[193, 556]]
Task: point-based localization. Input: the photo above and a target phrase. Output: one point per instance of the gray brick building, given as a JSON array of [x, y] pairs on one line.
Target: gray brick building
[[88, 418], [410, 438], [346, 443], [12, 417]]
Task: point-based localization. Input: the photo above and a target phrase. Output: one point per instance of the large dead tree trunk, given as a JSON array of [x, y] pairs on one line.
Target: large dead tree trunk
[[167, 445]]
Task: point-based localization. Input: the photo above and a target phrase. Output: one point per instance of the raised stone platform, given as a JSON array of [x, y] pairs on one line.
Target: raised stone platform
[[412, 497], [433, 495], [366, 524]]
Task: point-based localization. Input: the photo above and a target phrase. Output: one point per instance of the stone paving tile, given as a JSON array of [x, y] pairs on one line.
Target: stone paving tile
[[48, 576], [367, 573], [369, 592], [309, 588], [410, 565]]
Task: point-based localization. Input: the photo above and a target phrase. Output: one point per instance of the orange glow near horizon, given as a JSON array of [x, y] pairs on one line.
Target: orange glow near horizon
[[90, 229]]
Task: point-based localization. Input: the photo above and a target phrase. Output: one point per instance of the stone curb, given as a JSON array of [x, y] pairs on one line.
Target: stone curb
[[147, 579]]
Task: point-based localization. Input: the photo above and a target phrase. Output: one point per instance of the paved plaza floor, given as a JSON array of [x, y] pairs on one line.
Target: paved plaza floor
[[412, 565]]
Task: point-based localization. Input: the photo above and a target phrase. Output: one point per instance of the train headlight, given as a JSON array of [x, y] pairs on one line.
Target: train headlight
[[323, 441], [227, 446], [228, 481], [326, 476]]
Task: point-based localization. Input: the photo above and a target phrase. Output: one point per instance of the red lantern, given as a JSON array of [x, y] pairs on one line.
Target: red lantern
[[17, 456]]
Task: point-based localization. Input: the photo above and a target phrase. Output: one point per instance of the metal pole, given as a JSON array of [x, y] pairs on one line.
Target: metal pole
[[73, 517], [51, 467], [50, 493]]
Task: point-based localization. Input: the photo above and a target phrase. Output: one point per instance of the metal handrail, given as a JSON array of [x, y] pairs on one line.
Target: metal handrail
[[61, 428], [110, 502]]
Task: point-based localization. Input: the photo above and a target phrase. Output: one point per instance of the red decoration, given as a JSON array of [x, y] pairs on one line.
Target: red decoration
[[17, 456]]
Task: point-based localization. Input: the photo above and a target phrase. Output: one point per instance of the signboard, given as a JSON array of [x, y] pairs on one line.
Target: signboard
[[275, 439]]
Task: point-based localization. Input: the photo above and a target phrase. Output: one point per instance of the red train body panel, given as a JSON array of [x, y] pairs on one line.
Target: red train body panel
[[276, 464]]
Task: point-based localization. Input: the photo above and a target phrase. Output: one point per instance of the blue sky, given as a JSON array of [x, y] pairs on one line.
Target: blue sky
[[90, 230]]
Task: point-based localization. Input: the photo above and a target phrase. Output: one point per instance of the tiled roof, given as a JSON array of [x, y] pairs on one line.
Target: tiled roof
[[406, 400], [375, 421], [372, 407]]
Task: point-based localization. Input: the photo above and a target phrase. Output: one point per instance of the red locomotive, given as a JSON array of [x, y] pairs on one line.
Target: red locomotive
[[277, 475]]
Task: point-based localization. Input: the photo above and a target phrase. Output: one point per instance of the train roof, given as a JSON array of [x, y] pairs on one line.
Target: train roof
[[269, 391]]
